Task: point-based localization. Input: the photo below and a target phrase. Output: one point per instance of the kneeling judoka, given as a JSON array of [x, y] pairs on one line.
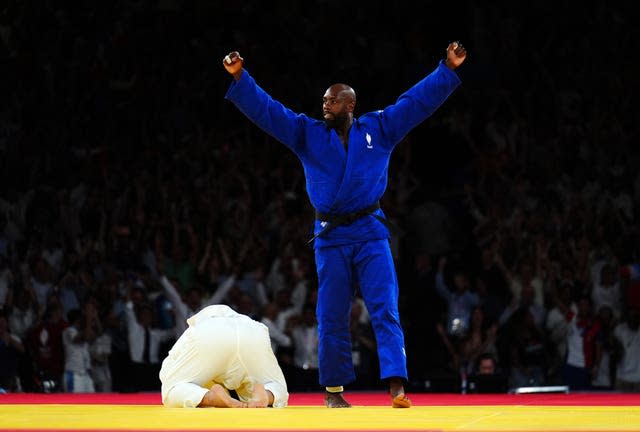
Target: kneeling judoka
[[222, 350]]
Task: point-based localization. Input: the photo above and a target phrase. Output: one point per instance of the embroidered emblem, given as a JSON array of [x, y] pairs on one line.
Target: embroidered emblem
[[369, 145], [323, 224]]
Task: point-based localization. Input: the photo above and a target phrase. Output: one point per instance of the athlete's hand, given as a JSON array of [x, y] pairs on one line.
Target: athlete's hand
[[456, 54], [232, 62]]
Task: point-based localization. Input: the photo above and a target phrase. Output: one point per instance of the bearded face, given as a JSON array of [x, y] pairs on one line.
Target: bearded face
[[336, 120], [337, 105]]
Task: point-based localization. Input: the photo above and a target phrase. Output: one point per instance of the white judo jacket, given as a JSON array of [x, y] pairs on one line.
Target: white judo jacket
[[221, 346]]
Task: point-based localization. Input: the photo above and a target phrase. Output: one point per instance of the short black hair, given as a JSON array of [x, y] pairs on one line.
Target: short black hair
[[487, 356]]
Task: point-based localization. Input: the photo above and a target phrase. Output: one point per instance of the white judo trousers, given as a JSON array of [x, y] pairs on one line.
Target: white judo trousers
[[221, 346]]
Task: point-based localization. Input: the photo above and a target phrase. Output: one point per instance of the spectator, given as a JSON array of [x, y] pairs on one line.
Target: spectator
[[526, 300], [41, 282], [526, 277], [24, 312], [523, 346], [486, 365], [100, 350], [278, 337], [604, 373], [66, 292], [47, 349], [305, 355], [495, 293], [487, 376], [193, 301], [82, 331], [245, 305], [23, 316], [557, 329], [481, 339], [144, 346], [628, 368], [182, 261], [460, 301], [6, 278], [10, 349], [584, 345], [606, 291]]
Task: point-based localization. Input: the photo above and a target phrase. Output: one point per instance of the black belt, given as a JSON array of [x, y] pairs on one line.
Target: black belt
[[336, 220]]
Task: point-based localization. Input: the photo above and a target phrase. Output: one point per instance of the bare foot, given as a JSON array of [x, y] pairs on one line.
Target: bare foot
[[398, 398], [218, 397], [335, 400], [401, 401], [261, 398]]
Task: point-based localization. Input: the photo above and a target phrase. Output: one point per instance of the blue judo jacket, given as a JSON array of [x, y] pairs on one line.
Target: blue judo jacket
[[340, 181]]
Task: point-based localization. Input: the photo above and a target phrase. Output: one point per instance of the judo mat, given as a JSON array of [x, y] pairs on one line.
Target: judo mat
[[371, 411]]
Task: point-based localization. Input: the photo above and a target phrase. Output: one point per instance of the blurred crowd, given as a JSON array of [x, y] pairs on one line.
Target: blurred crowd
[[132, 194]]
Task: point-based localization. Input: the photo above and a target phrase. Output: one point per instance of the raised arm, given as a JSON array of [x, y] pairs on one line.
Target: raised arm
[[421, 100], [441, 287], [221, 292], [456, 55], [268, 114], [179, 306], [232, 62]]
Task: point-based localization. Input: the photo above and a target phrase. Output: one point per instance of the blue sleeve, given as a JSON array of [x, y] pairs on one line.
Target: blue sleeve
[[268, 114], [418, 103]]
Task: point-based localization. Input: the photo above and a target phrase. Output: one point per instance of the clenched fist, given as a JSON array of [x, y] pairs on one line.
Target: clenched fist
[[456, 54], [232, 62]]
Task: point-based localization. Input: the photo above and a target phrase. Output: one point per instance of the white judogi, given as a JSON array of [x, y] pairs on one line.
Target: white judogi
[[224, 347], [77, 364]]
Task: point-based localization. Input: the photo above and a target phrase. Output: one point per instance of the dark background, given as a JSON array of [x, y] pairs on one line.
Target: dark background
[[124, 101]]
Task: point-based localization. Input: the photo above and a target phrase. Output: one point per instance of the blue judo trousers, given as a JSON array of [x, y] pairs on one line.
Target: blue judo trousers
[[341, 181]]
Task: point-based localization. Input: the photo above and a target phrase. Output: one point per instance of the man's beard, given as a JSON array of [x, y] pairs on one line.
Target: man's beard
[[338, 121]]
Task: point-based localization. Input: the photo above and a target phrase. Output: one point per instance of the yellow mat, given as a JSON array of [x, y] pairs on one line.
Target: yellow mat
[[444, 418]]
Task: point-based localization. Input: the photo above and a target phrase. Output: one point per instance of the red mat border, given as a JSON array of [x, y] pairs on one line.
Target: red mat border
[[356, 398]]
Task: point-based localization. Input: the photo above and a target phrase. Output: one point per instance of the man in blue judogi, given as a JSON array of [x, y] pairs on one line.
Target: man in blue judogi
[[345, 160]]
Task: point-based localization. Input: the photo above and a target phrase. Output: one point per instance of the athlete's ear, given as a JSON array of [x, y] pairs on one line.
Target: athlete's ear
[[351, 106]]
